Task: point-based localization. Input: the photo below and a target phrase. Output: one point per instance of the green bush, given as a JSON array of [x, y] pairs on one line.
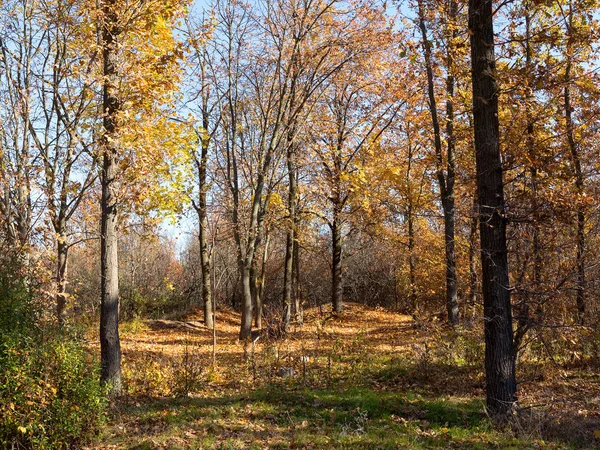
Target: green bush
[[50, 394]]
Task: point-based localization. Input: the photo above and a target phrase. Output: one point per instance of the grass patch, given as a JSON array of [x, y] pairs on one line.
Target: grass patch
[[385, 385], [278, 416]]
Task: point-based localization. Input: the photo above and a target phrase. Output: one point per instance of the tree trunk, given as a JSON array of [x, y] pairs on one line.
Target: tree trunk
[[445, 180], [472, 262], [258, 312], [580, 236], [499, 346], [290, 238], [296, 281], [524, 319], [207, 299], [411, 261], [62, 250], [254, 291], [110, 345], [203, 232], [287, 279], [448, 200], [246, 325], [451, 281], [536, 243], [337, 287]]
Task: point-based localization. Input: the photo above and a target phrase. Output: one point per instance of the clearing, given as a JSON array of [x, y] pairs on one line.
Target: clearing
[[371, 379]]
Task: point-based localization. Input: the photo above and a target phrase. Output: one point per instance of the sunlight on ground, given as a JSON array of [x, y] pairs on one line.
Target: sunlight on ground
[[369, 379]]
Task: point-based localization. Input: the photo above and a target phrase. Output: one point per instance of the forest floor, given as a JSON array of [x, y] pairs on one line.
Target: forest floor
[[370, 379]]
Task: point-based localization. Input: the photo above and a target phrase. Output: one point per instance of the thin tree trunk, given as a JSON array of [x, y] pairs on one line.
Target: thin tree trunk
[[287, 279], [296, 281], [411, 261], [445, 180], [110, 345], [472, 261], [290, 238], [524, 320], [258, 312], [203, 232], [62, 250], [412, 296], [256, 300], [580, 237], [448, 200], [499, 346]]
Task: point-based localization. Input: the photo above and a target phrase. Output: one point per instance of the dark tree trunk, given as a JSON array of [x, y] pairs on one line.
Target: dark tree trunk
[[524, 322], [296, 282], [337, 287], [445, 180], [536, 244], [110, 345], [499, 346], [451, 281], [287, 279], [448, 200], [254, 288], [412, 293], [578, 173], [290, 238], [411, 261]]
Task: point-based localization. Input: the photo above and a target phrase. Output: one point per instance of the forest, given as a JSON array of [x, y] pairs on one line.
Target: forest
[[315, 224]]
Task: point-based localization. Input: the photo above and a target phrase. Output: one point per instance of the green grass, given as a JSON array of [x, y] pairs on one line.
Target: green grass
[[422, 397], [281, 416]]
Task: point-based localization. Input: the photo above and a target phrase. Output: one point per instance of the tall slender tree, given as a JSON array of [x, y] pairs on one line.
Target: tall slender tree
[[446, 176]]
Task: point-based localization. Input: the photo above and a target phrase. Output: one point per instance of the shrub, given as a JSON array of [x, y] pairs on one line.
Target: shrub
[[50, 394]]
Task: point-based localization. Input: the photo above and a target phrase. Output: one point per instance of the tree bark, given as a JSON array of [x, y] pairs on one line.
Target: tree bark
[[290, 238], [110, 345], [256, 300], [445, 180], [499, 346], [411, 261], [337, 287], [62, 250], [287, 279], [207, 299], [472, 259], [260, 288], [296, 280], [246, 325]]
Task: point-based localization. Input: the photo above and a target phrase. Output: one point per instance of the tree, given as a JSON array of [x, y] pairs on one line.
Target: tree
[[140, 72], [61, 131], [357, 108], [110, 344], [446, 178], [501, 383], [205, 91], [20, 36]]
